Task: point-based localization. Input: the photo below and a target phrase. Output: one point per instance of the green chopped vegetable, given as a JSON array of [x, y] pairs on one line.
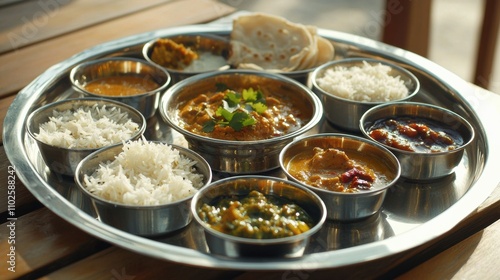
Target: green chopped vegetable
[[225, 113], [232, 98], [236, 108], [241, 119], [253, 96], [209, 126], [259, 107]]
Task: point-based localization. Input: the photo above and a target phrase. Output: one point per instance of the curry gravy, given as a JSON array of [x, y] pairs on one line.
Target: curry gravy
[[338, 171], [282, 116], [121, 85]]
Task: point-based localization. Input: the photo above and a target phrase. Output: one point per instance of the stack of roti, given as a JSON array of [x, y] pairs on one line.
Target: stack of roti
[[266, 42]]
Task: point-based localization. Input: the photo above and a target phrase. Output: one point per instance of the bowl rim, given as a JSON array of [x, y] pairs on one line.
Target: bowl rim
[[363, 140], [96, 198], [107, 102], [254, 241], [148, 45], [464, 122], [333, 63], [79, 88], [317, 110]]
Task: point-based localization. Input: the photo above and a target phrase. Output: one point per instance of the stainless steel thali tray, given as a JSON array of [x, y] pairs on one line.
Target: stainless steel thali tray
[[412, 214]]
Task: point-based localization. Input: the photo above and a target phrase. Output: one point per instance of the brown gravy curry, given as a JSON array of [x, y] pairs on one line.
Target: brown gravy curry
[[335, 170], [232, 115]]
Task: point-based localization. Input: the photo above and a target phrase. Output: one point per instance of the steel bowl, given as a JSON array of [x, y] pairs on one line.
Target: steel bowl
[[212, 46], [343, 206], [140, 220], [420, 165], [146, 103], [65, 160], [242, 157], [238, 247], [345, 113]]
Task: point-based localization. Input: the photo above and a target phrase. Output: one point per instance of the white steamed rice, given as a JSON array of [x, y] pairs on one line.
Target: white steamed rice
[[145, 173], [87, 127], [369, 83]]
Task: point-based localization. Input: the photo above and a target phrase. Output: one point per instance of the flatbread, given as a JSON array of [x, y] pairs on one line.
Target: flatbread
[[321, 52], [267, 42]]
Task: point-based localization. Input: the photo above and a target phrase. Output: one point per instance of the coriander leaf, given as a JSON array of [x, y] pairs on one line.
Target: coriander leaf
[[259, 107], [249, 121], [249, 95], [254, 96], [238, 119], [234, 112], [260, 97], [225, 105], [218, 113], [226, 114], [232, 98], [209, 126]]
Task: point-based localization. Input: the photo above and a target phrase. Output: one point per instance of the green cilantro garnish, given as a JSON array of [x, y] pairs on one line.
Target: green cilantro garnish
[[236, 108], [209, 126], [232, 98], [241, 119], [259, 107]]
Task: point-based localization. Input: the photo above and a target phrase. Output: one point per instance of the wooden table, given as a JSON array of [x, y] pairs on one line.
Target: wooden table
[[48, 247]]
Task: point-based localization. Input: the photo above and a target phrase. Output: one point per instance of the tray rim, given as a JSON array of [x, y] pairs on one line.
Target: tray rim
[[14, 147]]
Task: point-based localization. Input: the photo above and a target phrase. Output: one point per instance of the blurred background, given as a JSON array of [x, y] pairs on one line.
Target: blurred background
[[454, 29]]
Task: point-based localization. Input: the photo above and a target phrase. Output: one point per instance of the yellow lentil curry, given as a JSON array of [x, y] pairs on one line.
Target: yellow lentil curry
[[121, 85]]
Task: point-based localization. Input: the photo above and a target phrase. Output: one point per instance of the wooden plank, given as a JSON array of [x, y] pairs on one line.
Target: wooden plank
[[43, 242], [473, 258], [485, 56], [24, 200], [407, 25], [22, 66], [29, 22], [117, 263]]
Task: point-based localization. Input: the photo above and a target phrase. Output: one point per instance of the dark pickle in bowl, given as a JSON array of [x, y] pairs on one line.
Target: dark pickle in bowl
[[415, 135], [256, 216]]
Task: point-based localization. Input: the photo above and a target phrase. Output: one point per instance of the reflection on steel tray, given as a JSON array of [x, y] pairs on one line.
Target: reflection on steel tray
[[412, 214]]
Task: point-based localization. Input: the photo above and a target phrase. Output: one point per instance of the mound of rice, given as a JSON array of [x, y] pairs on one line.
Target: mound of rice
[[87, 127], [145, 173], [369, 83]]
